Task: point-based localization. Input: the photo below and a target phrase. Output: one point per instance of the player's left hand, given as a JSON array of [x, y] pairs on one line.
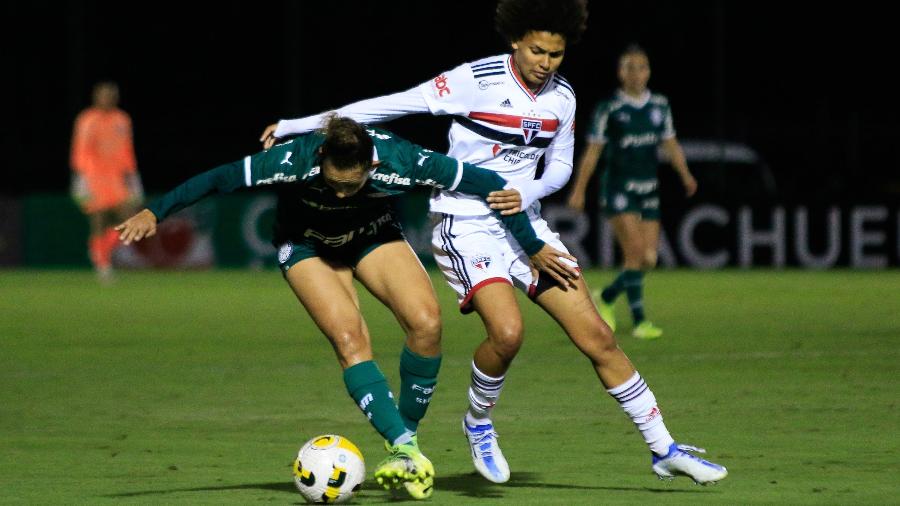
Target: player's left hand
[[508, 202], [550, 260], [268, 136], [139, 226], [690, 184]]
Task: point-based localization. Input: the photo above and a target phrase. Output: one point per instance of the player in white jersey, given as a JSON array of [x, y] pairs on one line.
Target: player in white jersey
[[508, 111]]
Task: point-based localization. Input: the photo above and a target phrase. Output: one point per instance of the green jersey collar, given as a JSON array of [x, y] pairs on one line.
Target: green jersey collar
[[637, 103]]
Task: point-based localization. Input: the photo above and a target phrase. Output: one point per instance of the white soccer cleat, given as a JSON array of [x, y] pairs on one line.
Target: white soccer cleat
[[486, 454], [679, 462]]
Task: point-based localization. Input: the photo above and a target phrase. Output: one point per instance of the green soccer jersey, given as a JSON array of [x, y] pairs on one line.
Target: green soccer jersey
[[631, 129], [307, 207]]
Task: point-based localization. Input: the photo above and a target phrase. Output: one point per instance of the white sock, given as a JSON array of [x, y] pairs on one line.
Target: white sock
[[483, 394], [639, 403]]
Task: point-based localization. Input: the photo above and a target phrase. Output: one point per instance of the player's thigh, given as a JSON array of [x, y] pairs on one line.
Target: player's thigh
[[649, 230], [627, 229], [393, 274], [326, 290], [498, 308], [574, 310]]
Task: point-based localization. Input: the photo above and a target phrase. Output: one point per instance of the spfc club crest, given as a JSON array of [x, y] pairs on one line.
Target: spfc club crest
[[481, 262], [530, 128]]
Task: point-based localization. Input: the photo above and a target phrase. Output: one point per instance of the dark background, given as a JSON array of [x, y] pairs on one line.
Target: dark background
[[809, 87]]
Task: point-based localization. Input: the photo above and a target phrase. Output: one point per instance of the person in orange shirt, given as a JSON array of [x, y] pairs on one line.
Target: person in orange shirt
[[105, 181]]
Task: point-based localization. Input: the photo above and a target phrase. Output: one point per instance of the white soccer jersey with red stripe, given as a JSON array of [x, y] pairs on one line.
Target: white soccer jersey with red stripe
[[500, 124]]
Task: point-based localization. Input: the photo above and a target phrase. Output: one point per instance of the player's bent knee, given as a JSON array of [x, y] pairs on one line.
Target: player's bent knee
[[650, 260], [506, 340], [424, 327]]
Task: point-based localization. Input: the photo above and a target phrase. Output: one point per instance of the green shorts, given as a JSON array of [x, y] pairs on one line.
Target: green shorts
[[632, 196], [348, 247]]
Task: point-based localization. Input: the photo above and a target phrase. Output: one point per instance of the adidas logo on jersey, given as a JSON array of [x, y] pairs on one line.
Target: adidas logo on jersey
[[506, 103]]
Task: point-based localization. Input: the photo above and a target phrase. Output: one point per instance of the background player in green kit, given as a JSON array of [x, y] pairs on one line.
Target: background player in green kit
[[626, 130], [334, 223]]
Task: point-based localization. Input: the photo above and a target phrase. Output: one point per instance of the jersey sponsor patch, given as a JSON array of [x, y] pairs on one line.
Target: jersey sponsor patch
[[284, 252], [441, 86], [656, 116], [485, 84], [481, 262], [620, 201]]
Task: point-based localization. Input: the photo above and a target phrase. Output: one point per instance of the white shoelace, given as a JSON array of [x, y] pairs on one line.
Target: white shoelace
[[480, 437]]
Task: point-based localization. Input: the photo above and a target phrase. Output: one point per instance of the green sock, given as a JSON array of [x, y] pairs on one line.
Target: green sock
[[634, 287], [370, 390], [612, 291], [418, 377]]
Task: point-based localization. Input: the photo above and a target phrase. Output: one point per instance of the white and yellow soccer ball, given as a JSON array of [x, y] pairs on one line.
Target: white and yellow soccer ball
[[329, 469]]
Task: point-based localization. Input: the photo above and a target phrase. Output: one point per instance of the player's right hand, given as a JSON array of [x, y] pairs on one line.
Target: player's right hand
[[139, 226], [550, 260], [268, 136]]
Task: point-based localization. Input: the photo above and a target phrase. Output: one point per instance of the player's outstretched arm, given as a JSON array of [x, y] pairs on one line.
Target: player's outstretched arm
[[370, 111], [139, 226]]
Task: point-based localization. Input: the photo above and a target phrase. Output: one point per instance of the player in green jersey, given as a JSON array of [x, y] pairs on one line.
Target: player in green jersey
[[626, 130], [335, 223]]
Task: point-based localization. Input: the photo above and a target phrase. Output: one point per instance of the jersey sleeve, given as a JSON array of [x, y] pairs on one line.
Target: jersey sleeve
[[451, 92], [668, 125], [80, 143], [438, 170], [278, 165], [599, 122], [222, 179], [368, 112]]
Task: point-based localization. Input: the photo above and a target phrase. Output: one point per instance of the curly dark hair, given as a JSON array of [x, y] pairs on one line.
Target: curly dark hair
[[515, 18], [347, 144]]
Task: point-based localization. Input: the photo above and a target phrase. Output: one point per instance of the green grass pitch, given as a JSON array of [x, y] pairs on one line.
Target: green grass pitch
[[198, 388]]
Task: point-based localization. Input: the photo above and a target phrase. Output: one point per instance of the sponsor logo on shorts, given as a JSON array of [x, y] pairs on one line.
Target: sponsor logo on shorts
[[481, 262]]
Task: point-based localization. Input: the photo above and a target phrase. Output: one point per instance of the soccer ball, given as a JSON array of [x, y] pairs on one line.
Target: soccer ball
[[329, 469]]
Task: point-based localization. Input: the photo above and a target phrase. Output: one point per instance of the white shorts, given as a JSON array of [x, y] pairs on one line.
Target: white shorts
[[475, 251]]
